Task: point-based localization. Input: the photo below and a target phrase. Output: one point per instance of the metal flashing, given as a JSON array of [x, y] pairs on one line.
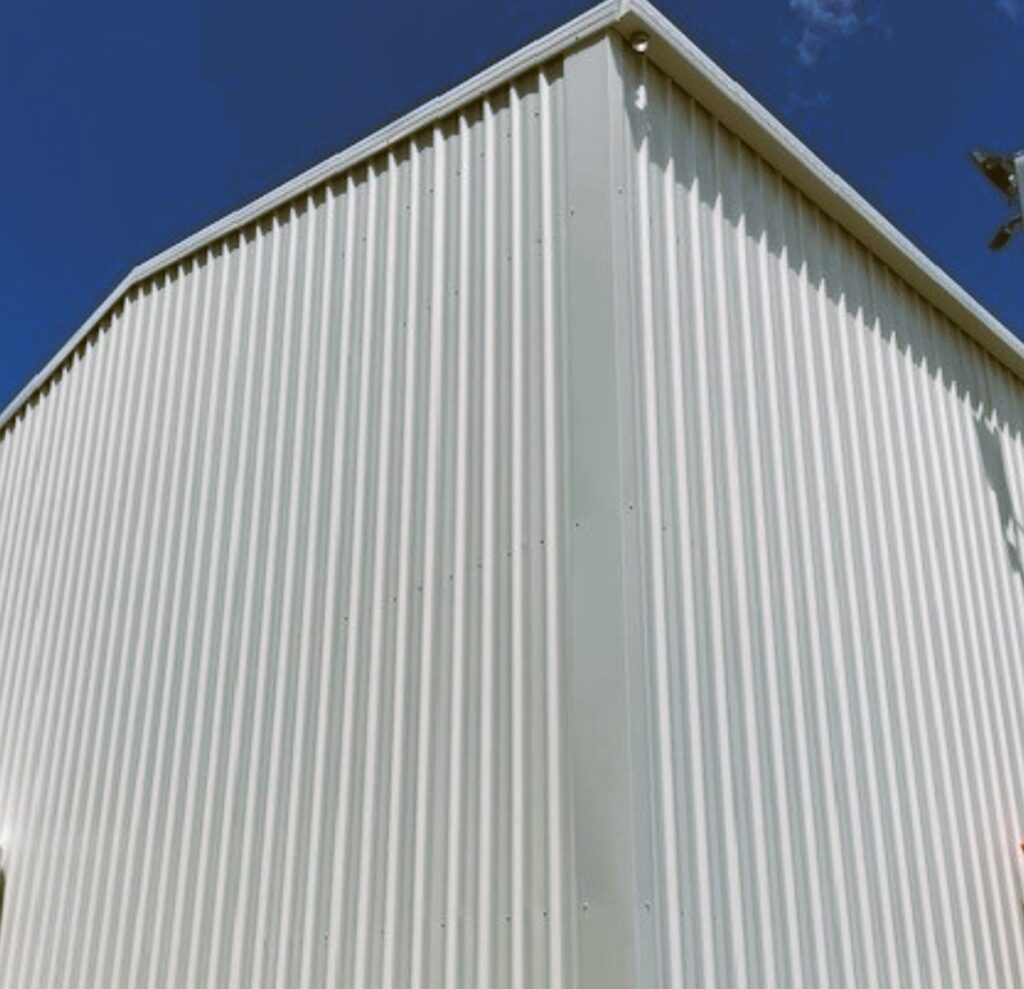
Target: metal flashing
[[671, 50]]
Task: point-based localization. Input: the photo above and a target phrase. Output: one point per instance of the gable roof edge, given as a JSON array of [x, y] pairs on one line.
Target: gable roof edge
[[674, 53], [591, 22]]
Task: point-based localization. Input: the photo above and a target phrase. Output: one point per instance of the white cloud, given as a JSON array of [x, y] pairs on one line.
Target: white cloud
[[825, 20], [1012, 8]]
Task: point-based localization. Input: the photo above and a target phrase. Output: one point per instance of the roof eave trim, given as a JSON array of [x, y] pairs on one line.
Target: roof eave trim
[[696, 73]]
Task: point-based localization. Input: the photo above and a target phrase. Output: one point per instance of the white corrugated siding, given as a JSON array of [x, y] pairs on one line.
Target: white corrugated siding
[[280, 609], [829, 530], [553, 549]]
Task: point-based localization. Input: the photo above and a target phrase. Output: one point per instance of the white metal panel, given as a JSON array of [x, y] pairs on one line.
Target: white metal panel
[[830, 576], [280, 608]]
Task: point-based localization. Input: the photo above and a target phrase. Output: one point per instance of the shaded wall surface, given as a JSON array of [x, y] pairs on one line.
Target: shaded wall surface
[[829, 478]]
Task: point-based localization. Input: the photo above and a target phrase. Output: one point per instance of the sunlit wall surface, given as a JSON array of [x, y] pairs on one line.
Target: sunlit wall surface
[[279, 613]]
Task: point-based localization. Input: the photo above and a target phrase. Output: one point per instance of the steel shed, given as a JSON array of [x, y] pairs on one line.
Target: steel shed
[[569, 538]]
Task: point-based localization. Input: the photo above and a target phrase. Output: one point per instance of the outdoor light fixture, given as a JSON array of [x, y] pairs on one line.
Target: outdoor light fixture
[[639, 42], [1000, 170], [997, 168], [1002, 236]]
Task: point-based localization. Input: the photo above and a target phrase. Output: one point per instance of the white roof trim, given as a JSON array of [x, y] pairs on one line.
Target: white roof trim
[[742, 114], [671, 50], [587, 24]]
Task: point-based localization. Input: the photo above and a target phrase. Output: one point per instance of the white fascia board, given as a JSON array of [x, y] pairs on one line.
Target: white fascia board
[[696, 73]]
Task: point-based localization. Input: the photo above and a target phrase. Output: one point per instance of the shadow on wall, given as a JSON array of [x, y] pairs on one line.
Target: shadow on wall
[[995, 473], [736, 180]]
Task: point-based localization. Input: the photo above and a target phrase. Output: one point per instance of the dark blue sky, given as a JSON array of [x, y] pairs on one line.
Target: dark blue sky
[[126, 126]]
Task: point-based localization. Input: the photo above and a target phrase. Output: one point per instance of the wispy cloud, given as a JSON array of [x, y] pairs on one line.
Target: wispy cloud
[[797, 102], [1012, 8], [826, 20]]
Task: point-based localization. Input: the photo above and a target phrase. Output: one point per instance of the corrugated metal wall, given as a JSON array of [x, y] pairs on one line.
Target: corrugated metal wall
[[830, 483], [551, 552], [280, 612]]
